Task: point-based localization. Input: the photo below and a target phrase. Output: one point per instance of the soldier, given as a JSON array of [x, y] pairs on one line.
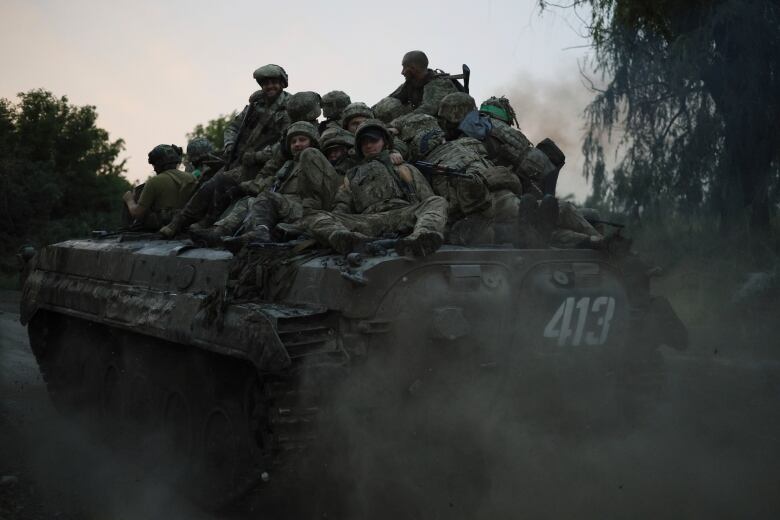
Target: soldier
[[257, 217], [302, 106], [260, 124], [354, 115], [338, 146], [165, 193], [549, 221], [470, 211], [424, 88], [389, 108], [200, 159], [333, 104], [379, 197]]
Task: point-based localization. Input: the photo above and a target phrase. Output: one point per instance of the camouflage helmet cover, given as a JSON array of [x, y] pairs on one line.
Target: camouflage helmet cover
[[198, 148], [164, 154], [353, 110], [390, 108], [304, 106], [336, 136], [368, 125], [412, 124], [454, 107], [302, 128], [499, 108], [270, 71], [334, 102]]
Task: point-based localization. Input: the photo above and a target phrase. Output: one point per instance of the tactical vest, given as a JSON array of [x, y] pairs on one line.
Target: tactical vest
[[376, 187], [264, 125]]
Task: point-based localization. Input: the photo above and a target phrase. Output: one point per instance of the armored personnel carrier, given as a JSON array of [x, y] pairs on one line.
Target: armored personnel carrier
[[233, 359]]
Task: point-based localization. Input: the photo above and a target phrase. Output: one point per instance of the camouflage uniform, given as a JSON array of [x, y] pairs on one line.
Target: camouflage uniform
[[424, 98], [333, 104], [354, 110], [302, 106], [389, 108], [470, 214], [379, 198], [283, 202], [260, 123]]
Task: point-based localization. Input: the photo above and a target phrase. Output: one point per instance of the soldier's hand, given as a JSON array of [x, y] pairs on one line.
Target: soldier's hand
[[396, 158], [228, 150], [248, 159], [128, 196]]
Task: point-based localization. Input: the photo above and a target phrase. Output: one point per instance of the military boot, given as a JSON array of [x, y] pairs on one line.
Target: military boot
[[421, 243], [344, 241], [527, 235], [261, 234], [211, 237], [173, 227]]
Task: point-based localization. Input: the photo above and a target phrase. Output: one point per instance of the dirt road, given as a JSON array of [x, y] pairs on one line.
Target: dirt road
[[710, 449]]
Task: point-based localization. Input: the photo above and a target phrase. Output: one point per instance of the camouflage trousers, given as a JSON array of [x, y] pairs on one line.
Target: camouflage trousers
[[572, 229], [428, 215], [318, 181], [267, 209]]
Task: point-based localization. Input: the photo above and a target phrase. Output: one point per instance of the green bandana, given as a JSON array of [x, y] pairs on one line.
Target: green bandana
[[495, 111]]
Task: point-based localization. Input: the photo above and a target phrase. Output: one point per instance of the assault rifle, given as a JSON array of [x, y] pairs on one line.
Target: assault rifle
[[428, 169]]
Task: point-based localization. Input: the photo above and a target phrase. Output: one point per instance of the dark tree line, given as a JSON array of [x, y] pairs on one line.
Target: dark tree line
[[693, 92], [60, 174]]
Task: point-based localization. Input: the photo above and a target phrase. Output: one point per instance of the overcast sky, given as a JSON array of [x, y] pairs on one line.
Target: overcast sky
[[156, 69]]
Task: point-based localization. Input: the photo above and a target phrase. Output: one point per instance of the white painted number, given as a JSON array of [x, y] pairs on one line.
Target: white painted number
[[575, 320]]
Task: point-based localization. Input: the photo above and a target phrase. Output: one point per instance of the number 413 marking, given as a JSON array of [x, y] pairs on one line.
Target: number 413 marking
[[573, 320]]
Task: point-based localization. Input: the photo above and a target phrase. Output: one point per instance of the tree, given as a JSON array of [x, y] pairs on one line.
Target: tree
[[213, 130], [59, 173], [694, 85]]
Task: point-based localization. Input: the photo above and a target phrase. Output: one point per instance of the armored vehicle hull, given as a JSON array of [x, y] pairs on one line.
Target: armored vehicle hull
[[235, 360]]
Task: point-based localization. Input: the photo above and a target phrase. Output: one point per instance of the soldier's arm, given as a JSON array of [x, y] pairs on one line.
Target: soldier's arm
[[433, 93], [145, 201], [343, 202], [230, 134], [417, 180]]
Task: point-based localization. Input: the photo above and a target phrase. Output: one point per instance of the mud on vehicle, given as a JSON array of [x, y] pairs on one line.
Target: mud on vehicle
[[235, 360]]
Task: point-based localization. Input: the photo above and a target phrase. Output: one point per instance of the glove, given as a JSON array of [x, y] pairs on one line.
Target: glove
[[228, 150]]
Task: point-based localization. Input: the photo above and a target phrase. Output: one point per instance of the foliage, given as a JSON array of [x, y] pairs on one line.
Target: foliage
[[693, 87], [59, 173], [213, 130]]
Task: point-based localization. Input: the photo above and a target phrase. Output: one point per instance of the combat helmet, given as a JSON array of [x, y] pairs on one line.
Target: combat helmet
[[304, 106], [270, 71], [302, 128], [372, 127], [165, 154], [334, 103], [390, 108], [353, 110], [198, 148], [454, 107], [499, 108], [336, 136], [412, 124]]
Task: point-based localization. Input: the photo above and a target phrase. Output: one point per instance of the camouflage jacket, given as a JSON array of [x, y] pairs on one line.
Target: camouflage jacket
[[258, 125], [375, 185], [425, 98], [464, 196]]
